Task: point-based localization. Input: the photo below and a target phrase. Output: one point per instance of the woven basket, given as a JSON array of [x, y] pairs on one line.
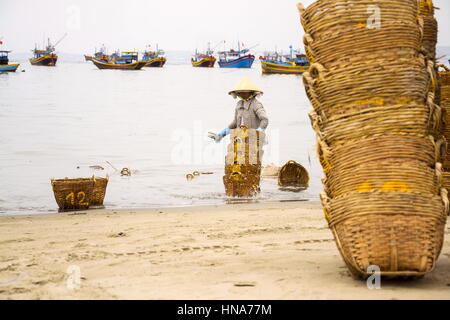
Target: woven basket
[[385, 175], [73, 194], [372, 149], [333, 27], [362, 85], [330, 51], [400, 232], [99, 191], [329, 16], [293, 174], [243, 163], [241, 185], [376, 121]]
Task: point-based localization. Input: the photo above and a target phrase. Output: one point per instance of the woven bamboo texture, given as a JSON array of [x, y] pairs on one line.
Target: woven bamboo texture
[[444, 76], [375, 91], [243, 163], [73, 194], [293, 174], [99, 192]]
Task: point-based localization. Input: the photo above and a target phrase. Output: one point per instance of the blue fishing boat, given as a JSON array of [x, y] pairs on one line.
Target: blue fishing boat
[[4, 62], [236, 59], [294, 63]]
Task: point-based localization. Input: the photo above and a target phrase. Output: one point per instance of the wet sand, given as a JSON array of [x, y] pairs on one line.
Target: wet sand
[[249, 251]]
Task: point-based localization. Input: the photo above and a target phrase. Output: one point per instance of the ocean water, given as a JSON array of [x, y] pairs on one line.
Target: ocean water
[[56, 122]]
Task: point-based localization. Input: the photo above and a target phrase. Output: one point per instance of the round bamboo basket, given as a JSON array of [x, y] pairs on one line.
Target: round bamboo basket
[[376, 121], [331, 50], [361, 86], [73, 194], [400, 232], [99, 192], [336, 15], [293, 174], [385, 175], [372, 149]]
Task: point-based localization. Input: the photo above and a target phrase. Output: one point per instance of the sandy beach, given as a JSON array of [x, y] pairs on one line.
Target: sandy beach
[[275, 250]]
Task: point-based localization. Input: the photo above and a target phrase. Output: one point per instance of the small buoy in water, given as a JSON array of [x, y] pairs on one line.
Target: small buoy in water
[[125, 172], [96, 167], [189, 176], [23, 70], [196, 173]]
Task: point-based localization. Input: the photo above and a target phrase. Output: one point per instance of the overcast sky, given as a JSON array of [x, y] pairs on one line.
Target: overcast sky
[[174, 25]]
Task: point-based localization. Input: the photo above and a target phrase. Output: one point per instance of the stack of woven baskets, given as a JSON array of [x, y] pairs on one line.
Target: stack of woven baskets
[[379, 133], [444, 76], [243, 163]]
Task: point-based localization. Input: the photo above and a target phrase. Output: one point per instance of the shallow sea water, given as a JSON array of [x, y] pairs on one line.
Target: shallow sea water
[[153, 121]]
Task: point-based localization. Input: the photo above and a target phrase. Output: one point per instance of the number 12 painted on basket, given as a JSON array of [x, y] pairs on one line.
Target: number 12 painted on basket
[[81, 196]]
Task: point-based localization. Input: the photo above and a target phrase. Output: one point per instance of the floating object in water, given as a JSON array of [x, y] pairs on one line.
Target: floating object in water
[[189, 176], [97, 167], [4, 62], [207, 172], [73, 194], [125, 172], [196, 173], [293, 174], [270, 170], [112, 165]]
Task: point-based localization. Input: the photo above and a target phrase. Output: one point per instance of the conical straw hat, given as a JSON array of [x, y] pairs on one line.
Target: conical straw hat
[[245, 85]]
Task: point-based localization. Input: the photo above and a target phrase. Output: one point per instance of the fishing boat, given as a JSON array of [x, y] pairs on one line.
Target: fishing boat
[[203, 60], [98, 55], [127, 60], [154, 58], [294, 63], [45, 57], [236, 59], [4, 62]]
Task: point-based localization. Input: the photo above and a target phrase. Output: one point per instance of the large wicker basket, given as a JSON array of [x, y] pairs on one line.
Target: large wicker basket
[[73, 194], [293, 174], [99, 191], [243, 163], [400, 232]]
